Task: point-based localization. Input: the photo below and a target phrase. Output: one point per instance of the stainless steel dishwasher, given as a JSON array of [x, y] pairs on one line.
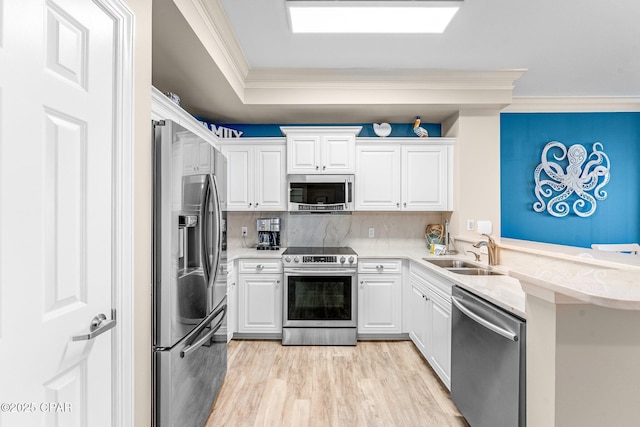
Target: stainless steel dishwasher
[[488, 366]]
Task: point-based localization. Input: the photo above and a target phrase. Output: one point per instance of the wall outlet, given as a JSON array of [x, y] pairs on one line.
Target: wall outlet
[[372, 232], [470, 225], [244, 231]]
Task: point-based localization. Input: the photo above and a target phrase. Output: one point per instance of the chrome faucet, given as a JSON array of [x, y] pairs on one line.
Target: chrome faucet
[[492, 249]]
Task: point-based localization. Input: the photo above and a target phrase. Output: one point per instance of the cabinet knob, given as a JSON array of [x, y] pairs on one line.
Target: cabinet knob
[[361, 282], [380, 267], [259, 266], [250, 204], [317, 167], [256, 204], [397, 205], [277, 281], [405, 204], [324, 167]]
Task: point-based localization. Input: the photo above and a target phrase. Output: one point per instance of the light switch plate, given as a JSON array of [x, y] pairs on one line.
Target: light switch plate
[[470, 224], [372, 232], [244, 231]]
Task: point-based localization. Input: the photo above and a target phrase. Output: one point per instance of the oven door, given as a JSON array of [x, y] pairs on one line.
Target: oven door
[[323, 297]]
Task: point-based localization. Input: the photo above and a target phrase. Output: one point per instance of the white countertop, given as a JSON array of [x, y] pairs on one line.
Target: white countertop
[[593, 277], [504, 291]]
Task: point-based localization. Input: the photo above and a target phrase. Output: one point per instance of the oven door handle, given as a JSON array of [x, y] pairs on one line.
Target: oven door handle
[[311, 271]]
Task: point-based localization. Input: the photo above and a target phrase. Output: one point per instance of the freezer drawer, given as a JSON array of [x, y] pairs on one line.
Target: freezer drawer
[[188, 377]]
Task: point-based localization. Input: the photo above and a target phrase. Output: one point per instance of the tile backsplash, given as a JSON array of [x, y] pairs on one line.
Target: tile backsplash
[[391, 229]]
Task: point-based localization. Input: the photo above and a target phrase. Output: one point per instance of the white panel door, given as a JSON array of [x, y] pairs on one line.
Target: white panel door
[[58, 96], [377, 178], [441, 338], [303, 154], [424, 178], [379, 303], [239, 177], [338, 154], [260, 303], [270, 179], [419, 324]]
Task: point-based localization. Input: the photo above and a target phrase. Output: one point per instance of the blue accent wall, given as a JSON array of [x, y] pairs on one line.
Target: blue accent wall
[[522, 139], [398, 130]]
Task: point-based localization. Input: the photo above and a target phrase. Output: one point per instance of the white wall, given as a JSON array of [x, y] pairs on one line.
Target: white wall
[[476, 169]]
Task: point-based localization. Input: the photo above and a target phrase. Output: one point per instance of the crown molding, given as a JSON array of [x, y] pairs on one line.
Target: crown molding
[[384, 86], [575, 104], [210, 23]]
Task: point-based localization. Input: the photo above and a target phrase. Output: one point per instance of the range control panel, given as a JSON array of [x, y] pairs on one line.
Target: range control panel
[[324, 260]]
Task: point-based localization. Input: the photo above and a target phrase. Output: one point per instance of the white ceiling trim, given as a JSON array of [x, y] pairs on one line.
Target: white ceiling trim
[[586, 104], [211, 25]]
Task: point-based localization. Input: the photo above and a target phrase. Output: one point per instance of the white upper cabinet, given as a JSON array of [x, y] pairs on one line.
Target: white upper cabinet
[[321, 150], [425, 178], [402, 175], [377, 185], [197, 156], [256, 176]]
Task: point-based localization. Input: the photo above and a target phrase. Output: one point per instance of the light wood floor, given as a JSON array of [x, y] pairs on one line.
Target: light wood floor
[[376, 383]]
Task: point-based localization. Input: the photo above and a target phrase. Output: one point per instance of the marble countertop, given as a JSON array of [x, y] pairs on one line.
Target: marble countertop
[[504, 291], [501, 290], [593, 277]]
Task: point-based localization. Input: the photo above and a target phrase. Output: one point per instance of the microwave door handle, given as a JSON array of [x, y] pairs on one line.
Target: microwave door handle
[[204, 247], [218, 214]]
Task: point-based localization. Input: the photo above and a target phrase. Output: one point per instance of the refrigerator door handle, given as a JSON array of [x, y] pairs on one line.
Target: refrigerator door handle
[[218, 244], [204, 224], [194, 346]]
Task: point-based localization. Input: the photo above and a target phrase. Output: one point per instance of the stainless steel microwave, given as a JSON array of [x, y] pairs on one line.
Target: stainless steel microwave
[[321, 193]]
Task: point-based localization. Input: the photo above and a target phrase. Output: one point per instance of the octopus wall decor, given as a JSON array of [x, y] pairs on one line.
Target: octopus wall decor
[[555, 184]]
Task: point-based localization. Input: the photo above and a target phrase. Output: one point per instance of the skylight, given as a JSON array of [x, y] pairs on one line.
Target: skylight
[[365, 16]]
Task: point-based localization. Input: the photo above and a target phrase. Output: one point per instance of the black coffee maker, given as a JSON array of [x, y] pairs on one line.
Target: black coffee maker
[[268, 233]]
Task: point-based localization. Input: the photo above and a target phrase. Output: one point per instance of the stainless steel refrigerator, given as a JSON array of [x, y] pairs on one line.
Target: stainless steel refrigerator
[[189, 276]]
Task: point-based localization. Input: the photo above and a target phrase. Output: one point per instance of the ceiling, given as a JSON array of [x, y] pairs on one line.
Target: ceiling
[[236, 61]]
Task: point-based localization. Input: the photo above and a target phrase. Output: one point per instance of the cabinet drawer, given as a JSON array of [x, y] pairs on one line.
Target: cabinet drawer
[[371, 266], [259, 266]]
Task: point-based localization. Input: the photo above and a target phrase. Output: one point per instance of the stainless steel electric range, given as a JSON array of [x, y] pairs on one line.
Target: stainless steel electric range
[[320, 296]]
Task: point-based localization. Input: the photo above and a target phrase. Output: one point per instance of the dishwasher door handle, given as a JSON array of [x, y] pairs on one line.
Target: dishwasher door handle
[[495, 328]]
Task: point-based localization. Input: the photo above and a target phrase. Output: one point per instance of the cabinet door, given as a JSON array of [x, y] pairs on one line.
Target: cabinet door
[[425, 178], [379, 304], [270, 178], [419, 329], [204, 162], [232, 306], [441, 339], [260, 303], [303, 154], [338, 154], [240, 177], [378, 178]]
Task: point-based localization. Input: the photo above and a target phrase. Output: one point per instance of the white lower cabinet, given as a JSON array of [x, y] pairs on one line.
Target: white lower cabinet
[[232, 302], [430, 322], [379, 297], [419, 322], [259, 297]]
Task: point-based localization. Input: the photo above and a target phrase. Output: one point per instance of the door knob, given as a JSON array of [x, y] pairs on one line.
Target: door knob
[[98, 326]]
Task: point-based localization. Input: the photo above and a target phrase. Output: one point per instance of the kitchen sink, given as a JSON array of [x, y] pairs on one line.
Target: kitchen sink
[[450, 263], [460, 266], [475, 271]]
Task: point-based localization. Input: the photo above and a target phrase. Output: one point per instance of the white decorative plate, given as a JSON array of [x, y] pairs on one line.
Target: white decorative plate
[[382, 129]]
